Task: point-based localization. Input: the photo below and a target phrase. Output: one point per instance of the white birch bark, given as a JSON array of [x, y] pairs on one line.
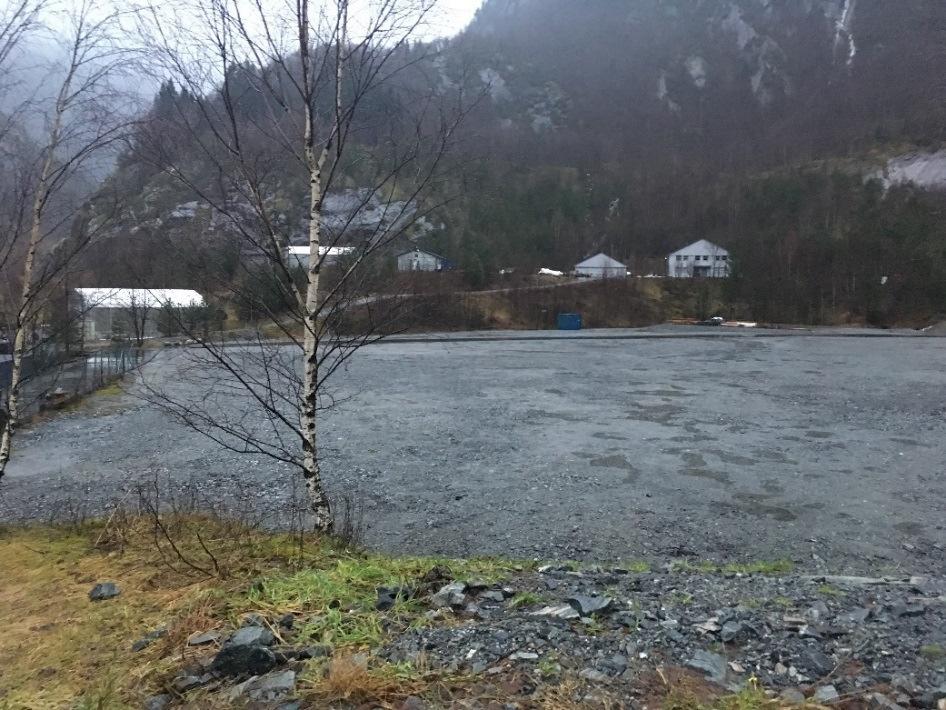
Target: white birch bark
[[26, 294], [315, 161]]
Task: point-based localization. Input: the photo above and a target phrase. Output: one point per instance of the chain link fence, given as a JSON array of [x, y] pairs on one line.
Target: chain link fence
[[52, 382]]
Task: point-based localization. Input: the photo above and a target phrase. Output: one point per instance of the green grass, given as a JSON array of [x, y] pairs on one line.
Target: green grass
[[933, 652], [526, 599], [771, 568], [829, 590]]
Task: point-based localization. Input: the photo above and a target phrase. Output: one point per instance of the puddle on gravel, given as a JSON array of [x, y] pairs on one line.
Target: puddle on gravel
[[657, 414], [910, 528], [733, 459], [608, 437], [756, 506], [619, 462], [561, 416], [718, 476]]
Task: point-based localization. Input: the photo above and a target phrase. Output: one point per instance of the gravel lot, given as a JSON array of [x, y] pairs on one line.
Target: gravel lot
[[829, 451]]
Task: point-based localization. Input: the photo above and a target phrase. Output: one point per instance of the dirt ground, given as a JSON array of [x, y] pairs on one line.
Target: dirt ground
[[829, 451]]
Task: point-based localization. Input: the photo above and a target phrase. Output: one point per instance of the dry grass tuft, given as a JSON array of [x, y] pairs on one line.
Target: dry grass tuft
[[348, 678]]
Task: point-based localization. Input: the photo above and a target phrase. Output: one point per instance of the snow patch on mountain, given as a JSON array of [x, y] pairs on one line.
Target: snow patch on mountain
[[697, 69], [844, 35], [495, 84], [923, 169]]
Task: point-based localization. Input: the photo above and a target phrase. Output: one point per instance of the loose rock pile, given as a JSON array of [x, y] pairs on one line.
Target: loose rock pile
[[814, 639]]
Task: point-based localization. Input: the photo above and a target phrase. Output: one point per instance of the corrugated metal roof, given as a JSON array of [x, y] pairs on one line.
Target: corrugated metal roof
[[139, 297]]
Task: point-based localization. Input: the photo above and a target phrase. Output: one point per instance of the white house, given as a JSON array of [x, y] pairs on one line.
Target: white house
[[702, 259], [601, 266], [299, 256], [110, 311], [418, 260]]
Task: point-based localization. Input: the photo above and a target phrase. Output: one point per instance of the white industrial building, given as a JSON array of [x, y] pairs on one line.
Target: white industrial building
[[113, 311], [299, 256], [700, 260], [601, 266], [419, 260]]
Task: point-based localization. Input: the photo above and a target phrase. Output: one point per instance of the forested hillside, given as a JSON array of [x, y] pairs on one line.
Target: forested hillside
[[638, 126]]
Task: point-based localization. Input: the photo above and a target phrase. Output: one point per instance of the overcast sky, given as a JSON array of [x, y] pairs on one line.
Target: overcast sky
[[455, 15]]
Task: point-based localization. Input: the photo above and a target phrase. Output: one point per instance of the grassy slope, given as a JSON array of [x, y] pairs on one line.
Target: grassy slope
[[58, 649]]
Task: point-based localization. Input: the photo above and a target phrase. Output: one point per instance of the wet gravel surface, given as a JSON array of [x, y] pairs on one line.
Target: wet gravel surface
[[826, 451]]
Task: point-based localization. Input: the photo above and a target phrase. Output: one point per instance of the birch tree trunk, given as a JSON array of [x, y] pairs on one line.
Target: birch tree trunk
[[315, 161], [26, 295]]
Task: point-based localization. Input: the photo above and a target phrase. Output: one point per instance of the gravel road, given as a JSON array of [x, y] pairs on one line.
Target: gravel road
[[827, 451]]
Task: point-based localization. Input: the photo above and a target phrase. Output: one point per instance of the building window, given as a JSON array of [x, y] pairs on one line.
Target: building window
[[724, 257], [679, 258], [706, 258]]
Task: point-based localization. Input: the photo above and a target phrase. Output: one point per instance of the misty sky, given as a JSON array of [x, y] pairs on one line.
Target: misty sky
[[455, 15]]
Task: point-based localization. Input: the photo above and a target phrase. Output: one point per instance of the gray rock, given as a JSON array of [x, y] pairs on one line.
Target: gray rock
[[818, 611], [932, 697], [616, 663], [157, 702], [413, 703], [185, 683], [243, 660], [564, 611], [793, 696], [524, 656], [589, 606], [731, 631], [493, 596], [827, 694], [201, 639], [816, 662], [252, 636], [908, 610], [104, 590], [594, 676], [879, 701], [452, 595], [858, 616], [267, 688], [711, 664]]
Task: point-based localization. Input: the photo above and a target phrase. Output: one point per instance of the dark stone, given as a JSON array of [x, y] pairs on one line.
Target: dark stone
[[287, 621], [103, 591], [589, 606], [908, 610], [816, 662], [243, 660], [388, 597], [731, 631], [494, 596], [146, 640]]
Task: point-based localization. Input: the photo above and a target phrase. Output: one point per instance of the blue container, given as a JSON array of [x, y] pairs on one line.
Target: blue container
[[569, 321]]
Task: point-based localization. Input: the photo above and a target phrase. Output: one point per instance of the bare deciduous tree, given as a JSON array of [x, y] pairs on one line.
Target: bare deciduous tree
[[45, 221], [274, 112]]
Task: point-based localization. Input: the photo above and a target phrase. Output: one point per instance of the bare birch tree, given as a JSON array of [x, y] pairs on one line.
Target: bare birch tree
[[278, 105], [45, 223]]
